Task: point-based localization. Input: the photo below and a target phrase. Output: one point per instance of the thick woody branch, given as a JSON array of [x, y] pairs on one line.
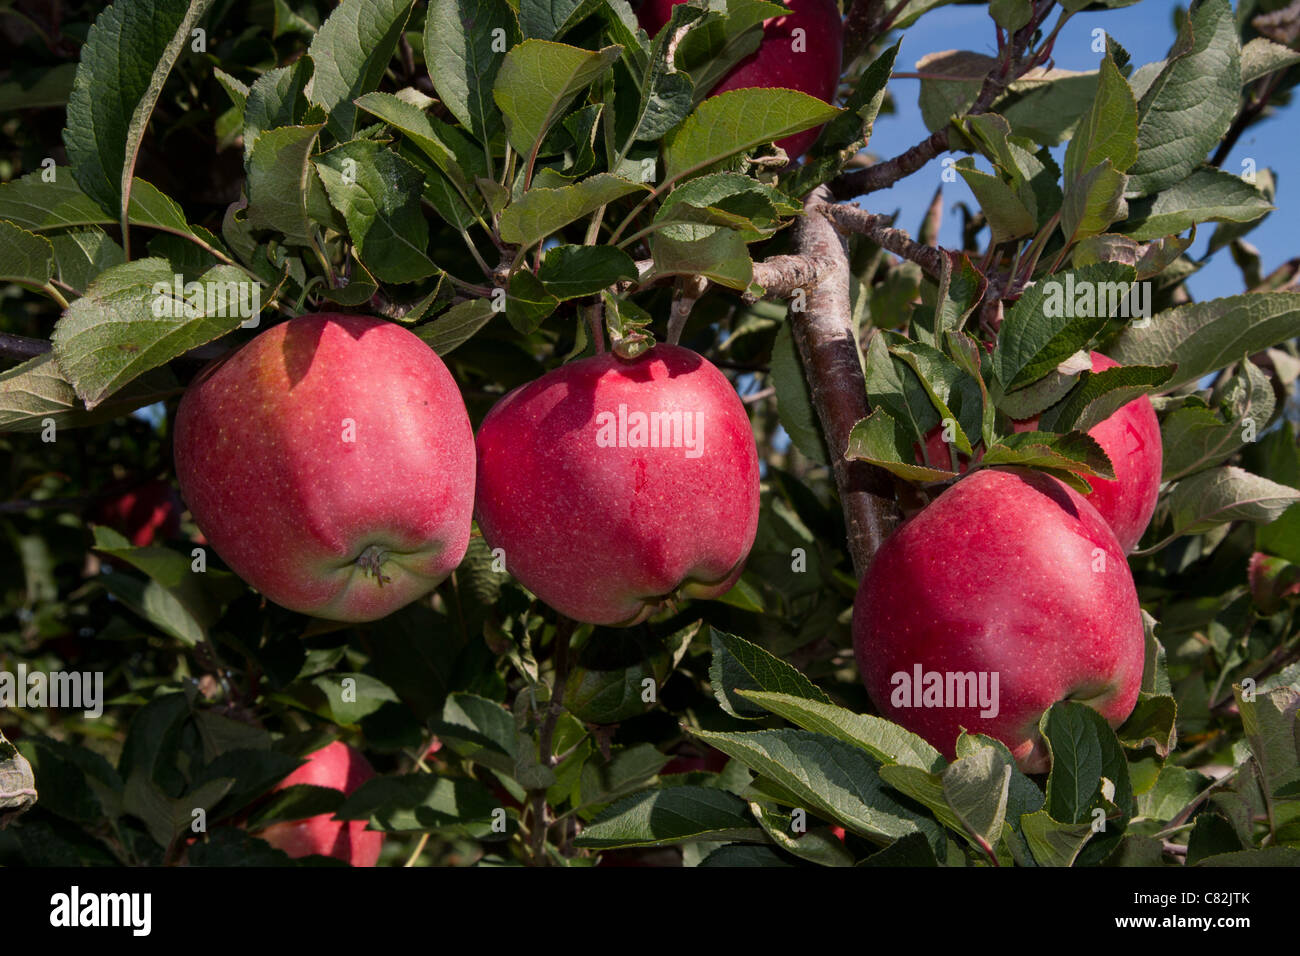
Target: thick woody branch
[[22, 347], [878, 229], [823, 334], [782, 276], [861, 26]]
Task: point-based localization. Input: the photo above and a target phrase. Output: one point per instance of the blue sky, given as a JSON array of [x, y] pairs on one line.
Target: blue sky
[[1146, 30]]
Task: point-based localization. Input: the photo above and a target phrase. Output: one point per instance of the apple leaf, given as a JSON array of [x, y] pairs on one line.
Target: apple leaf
[[667, 94], [341, 697], [465, 43], [278, 171], [453, 155], [1053, 843], [378, 194], [277, 99], [478, 730], [1196, 436], [715, 252], [737, 121], [739, 665], [1261, 56], [419, 802], [817, 846], [350, 53], [457, 325], [1007, 215], [834, 779], [1269, 719], [881, 440], [297, 802], [112, 335], [894, 388], [954, 391], [794, 406], [127, 56], [537, 82], [529, 303], [1055, 318], [24, 256], [728, 199], [672, 815], [569, 272], [1207, 195], [540, 212], [1152, 724], [1220, 495], [1098, 395], [1092, 202], [884, 740], [627, 770], [17, 784], [975, 786], [1084, 751], [1191, 102], [606, 684], [1108, 130], [81, 254], [165, 817], [36, 391], [911, 850]]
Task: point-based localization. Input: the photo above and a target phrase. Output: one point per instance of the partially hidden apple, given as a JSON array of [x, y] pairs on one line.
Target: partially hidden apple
[[141, 512], [800, 51], [338, 767], [330, 462], [613, 486], [1130, 437], [1004, 595]]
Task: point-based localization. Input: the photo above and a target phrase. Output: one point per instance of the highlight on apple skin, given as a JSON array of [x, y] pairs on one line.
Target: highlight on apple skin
[[330, 463], [615, 486], [339, 767], [1011, 587], [808, 61]]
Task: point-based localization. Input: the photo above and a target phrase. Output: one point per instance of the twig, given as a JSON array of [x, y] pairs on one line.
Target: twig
[[686, 293], [878, 229], [22, 347], [781, 276], [823, 334]]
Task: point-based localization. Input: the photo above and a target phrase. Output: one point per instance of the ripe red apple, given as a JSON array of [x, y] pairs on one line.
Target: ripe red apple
[[1007, 573], [808, 62], [142, 512], [614, 485], [330, 462], [338, 767]]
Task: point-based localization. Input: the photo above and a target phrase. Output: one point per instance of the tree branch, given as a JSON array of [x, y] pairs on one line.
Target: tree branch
[[22, 347], [780, 276], [823, 334], [879, 230]]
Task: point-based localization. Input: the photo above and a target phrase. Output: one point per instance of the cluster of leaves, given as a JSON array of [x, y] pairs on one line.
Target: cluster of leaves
[[448, 162]]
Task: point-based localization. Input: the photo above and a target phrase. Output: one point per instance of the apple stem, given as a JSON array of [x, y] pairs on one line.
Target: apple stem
[[371, 561]]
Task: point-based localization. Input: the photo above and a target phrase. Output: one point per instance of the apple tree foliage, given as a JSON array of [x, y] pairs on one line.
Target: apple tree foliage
[[504, 176]]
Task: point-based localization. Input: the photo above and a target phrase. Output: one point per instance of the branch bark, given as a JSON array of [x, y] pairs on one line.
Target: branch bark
[[781, 276], [22, 347], [879, 230], [823, 334]]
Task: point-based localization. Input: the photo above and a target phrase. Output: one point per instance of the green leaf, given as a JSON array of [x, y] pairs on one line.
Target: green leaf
[[1067, 456], [885, 741], [955, 392], [673, 815], [378, 194], [728, 199], [607, 683], [1191, 102], [465, 43], [1207, 195], [1269, 720], [1269, 856], [1011, 15], [448, 150], [715, 252], [540, 212], [417, 802], [113, 334], [340, 697], [1093, 202], [24, 256], [1108, 130], [528, 303], [793, 400], [881, 440], [1202, 337], [832, 778], [1084, 750], [1151, 724], [976, 788], [550, 19], [1196, 437], [1057, 317], [569, 272], [1007, 215], [911, 850], [36, 391], [667, 94], [279, 168], [737, 121], [538, 81], [1262, 56], [479, 730], [1098, 395], [82, 254], [739, 665], [1219, 495], [276, 99], [128, 53], [1053, 843], [457, 325], [818, 846], [350, 53]]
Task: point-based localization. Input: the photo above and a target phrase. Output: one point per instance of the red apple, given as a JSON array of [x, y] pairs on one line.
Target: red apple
[[614, 486], [1131, 439], [330, 463], [1007, 573], [808, 62], [142, 512], [338, 767]]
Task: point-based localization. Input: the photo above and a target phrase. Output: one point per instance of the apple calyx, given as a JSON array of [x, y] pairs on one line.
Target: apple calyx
[[371, 561]]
